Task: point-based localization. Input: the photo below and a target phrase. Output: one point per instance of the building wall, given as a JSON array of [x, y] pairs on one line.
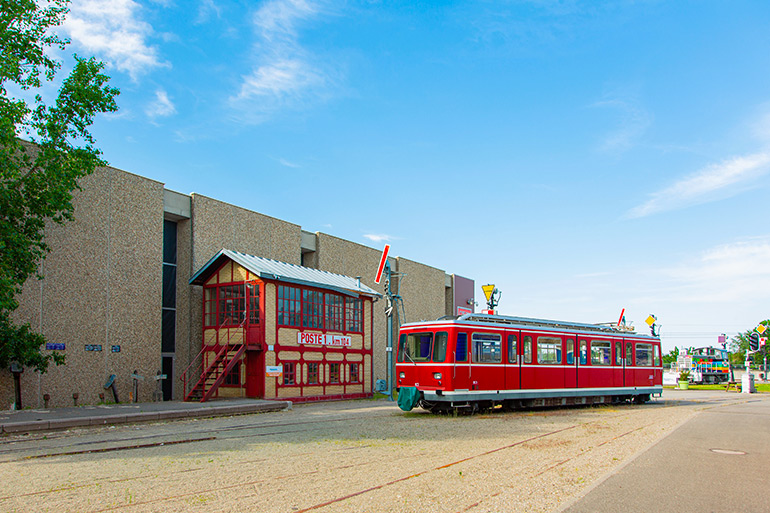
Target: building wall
[[101, 286]]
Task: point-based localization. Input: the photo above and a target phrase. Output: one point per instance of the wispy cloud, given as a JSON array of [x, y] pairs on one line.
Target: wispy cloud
[[634, 122], [206, 10], [161, 106], [378, 237], [286, 163], [729, 272], [716, 181], [285, 74], [112, 30]]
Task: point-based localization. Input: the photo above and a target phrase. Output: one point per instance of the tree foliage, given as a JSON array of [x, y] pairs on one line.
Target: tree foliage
[[44, 150], [671, 357]]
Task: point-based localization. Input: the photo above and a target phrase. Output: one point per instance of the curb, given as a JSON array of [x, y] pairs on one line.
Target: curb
[[131, 418]]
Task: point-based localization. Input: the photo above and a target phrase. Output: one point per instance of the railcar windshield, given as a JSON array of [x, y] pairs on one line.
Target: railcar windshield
[[415, 347]]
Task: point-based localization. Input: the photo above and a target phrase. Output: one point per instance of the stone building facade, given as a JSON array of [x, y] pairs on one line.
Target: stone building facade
[[116, 299]]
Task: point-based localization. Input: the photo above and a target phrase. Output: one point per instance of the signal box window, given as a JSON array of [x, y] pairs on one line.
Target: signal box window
[[644, 355], [233, 378], [570, 351], [312, 373], [548, 350], [289, 373], [334, 373], [512, 352], [461, 349], [601, 353], [439, 350], [487, 348], [415, 347], [354, 376], [583, 352], [527, 342]]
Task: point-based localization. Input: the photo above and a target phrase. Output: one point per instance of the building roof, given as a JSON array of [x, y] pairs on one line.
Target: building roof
[[284, 272]]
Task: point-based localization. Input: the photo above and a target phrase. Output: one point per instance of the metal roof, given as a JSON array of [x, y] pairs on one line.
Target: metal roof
[[284, 272]]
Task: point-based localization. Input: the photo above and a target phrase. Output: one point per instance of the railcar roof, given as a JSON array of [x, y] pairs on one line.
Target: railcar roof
[[528, 322]]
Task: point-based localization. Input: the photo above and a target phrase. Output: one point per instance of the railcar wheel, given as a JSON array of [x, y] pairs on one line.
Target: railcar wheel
[[641, 399]]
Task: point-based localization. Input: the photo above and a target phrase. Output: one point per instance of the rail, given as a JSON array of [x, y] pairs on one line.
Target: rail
[[197, 362]]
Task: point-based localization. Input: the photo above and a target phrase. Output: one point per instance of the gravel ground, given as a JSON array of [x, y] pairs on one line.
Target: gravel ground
[[354, 456]]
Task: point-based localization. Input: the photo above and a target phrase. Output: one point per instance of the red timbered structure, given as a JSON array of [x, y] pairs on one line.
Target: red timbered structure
[[276, 330]]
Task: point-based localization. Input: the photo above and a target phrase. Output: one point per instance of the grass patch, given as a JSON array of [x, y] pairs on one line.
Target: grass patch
[[761, 387]]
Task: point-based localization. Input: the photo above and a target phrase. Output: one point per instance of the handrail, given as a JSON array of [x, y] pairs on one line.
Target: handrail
[[204, 348]]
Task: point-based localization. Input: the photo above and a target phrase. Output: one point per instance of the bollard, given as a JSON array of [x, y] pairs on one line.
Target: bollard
[[46, 398], [75, 398]]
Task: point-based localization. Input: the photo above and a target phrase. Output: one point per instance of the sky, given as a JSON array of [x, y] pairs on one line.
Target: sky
[[583, 156]]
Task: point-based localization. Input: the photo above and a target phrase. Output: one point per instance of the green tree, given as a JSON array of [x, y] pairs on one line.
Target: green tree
[[671, 357], [39, 175]]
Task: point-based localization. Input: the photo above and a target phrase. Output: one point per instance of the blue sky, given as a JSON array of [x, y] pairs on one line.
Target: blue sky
[[583, 156]]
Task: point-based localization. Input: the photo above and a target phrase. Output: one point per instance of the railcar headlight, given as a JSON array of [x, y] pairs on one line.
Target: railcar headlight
[[437, 375], [401, 375]]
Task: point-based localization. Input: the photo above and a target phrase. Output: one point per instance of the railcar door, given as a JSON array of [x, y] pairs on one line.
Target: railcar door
[[628, 364], [618, 379], [570, 364], [487, 369], [527, 367], [461, 369], [583, 369], [513, 361]]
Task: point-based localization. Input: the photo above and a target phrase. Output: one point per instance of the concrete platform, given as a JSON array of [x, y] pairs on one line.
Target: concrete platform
[[24, 421]]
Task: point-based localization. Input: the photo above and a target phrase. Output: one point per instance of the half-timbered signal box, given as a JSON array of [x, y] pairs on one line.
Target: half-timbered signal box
[[277, 330]]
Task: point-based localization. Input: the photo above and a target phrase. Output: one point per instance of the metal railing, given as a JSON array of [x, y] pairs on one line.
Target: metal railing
[[197, 363]]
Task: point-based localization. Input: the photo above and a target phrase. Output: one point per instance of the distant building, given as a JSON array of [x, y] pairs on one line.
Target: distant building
[[135, 285]]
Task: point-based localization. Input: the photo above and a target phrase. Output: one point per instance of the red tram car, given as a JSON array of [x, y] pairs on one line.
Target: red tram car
[[480, 361]]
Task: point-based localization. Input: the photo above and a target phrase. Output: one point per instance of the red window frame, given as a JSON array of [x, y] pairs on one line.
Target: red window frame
[[226, 304], [313, 377], [310, 308], [334, 373], [355, 377], [233, 378], [289, 373]]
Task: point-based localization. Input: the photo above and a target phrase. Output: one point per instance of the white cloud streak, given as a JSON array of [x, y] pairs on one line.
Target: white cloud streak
[[378, 237], [713, 182], [285, 74], [112, 30], [162, 106], [633, 124]]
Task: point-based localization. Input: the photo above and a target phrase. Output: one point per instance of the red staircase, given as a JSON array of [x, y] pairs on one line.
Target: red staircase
[[214, 375]]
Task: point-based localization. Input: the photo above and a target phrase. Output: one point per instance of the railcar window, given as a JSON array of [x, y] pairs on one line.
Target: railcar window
[[461, 349], [644, 355], [657, 356], [415, 347], [548, 350], [527, 342], [583, 352], [601, 353], [629, 353], [439, 349], [512, 352], [618, 354], [487, 348], [570, 351]]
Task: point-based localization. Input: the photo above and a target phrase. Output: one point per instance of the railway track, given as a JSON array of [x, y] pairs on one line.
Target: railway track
[[366, 456]]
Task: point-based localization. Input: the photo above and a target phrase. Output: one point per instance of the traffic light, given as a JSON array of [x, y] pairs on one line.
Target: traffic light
[[754, 341]]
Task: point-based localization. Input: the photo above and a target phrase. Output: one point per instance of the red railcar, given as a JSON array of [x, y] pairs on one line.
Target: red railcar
[[480, 361]]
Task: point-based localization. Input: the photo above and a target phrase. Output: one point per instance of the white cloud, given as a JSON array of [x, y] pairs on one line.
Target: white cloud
[[378, 237], [162, 106], [286, 163], [284, 75], [112, 30], [206, 9], [716, 181]]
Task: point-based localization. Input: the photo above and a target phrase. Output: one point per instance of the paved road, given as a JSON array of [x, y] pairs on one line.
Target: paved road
[[717, 461]]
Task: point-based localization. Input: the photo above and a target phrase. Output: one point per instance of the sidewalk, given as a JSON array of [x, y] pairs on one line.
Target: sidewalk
[[713, 462], [23, 421]]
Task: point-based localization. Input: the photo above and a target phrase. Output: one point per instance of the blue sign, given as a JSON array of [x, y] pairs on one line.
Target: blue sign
[[51, 346], [115, 349], [93, 347]]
